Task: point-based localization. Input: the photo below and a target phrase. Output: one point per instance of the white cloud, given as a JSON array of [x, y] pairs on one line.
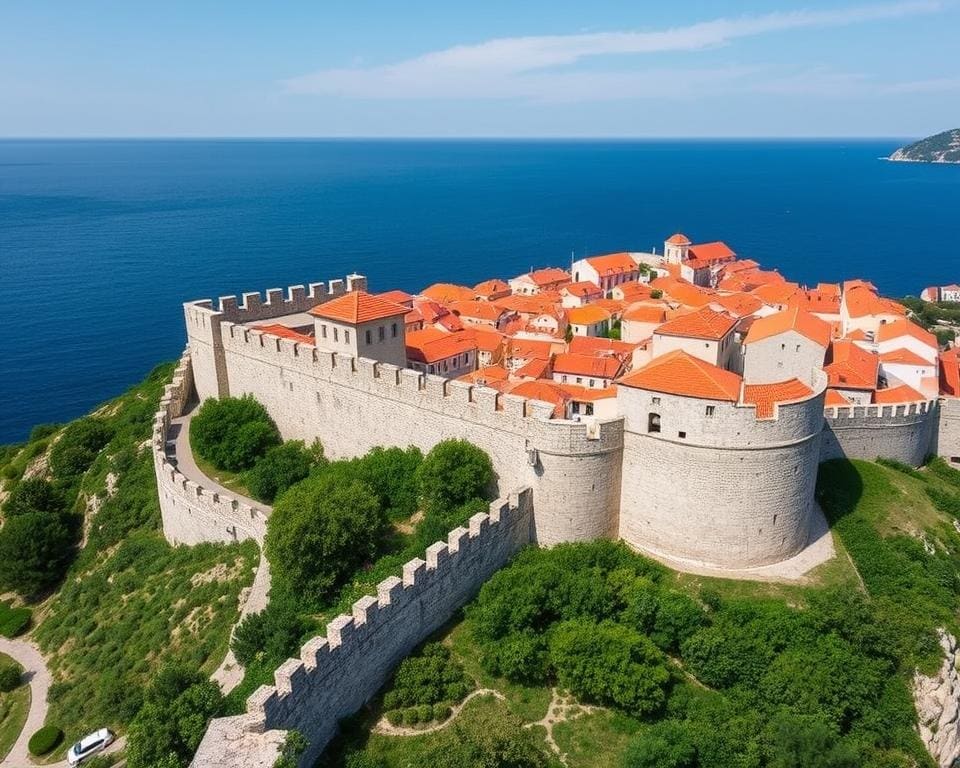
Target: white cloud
[[526, 67]]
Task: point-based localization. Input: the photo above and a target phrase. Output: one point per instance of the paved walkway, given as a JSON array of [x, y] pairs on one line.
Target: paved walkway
[[35, 673], [230, 672]]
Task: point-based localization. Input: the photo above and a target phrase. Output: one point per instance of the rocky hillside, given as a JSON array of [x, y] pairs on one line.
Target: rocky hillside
[[942, 148]]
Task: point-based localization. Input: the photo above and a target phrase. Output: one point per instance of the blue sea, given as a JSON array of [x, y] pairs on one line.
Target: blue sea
[[101, 241]]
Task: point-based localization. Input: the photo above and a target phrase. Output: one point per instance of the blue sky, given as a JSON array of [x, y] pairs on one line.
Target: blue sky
[[496, 68]]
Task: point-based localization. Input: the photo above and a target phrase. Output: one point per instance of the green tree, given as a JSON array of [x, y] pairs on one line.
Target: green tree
[[610, 664], [668, 744], [453, 473], [273, 635], [281, 467], [178, 704], [34, 551], [489, 740], [233, 433], [10, 676], [34, 494], [320, 531], [392, 474], [793, 741], [78, 446]]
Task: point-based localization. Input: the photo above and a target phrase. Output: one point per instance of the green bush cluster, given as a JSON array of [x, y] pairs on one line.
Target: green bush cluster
[[233, 433], [78, 446], [420, 714], [431, 676], [45, 740], [177, 705], [281, 467], [13, 621], [11, 675]]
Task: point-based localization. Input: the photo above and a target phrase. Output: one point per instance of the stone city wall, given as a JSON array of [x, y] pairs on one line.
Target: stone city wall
[[725, 489], [902, 432], [353, 404], [191, 513], [336, 675], [948, 431]]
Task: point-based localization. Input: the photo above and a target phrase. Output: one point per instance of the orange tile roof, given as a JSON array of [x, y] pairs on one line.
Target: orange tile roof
[[794, 319], [645, 313], [525, 349], [613, 306], [491, 288], [851, 367], [702, 324], [447, 292], [477, 310], [739, 266], [765, 396], [776, 292], [587, 315], [904, 356], [903, 327], [712, 252], [862, 301], [431, 345], [487, 340], [547, 391], [680, 373], [587, 365], [834, 398], [738, 304], [816, 301], [681, 291], [950, 372], [485, 376], [634, 291], [548, 276], [613, 264], [397, 297], [358, 307], [678, 239], [894, 395], [529, 305], [857, 334], [535, 368], [284, 332], [582, 289]]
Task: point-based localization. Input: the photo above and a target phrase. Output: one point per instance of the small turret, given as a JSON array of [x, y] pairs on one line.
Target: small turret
[[676, 248]]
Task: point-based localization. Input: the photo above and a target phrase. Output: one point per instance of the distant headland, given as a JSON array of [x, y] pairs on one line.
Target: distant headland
[[940, 148]]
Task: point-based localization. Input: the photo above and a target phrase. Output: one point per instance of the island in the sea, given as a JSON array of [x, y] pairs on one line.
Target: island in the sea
[[940, 148]]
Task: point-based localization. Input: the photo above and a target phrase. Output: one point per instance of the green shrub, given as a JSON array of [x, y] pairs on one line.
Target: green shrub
[[392, 474], [441, 712], [274, 634], [395, 717], [42, 431], [281, 466], [411, 716], [34, 551], [430, 677], [945, 501], [294, 745], [10, 676], [668, 744], [45, 740], [899, 466], [78, 446], [233, 433], [34, 495], [14, 621], [320, 531], [424, 713], [453, 473]]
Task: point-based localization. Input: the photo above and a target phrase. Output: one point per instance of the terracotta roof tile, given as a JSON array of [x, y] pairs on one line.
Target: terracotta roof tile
[[358, 307], [284, 332], [547, 276], [597, 345], [766, 396], [712, 252], [678, 239], [850, 367], [612, 264], [447, 292], [397, 297], [861, 300], [477, 310], [702, 324], [588, 394], [793, 319], [904, 356], [776, 293], [582, 289], [645, 313], [431, 345], [587, 365], [950, 372], [895, 395], [738, 304], [485, 376], [492, 288], [535, 368], [833, 398], [903, 327], [679, 373], [587, 315], [539, 389]]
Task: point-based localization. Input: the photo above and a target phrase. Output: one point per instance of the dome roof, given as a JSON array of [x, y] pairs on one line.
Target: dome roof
[[678, 239]]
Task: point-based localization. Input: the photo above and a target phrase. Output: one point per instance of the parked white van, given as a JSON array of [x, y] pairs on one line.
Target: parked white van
[[90, 745]]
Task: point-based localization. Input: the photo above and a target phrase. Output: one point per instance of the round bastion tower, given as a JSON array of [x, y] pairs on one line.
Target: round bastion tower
[[716, 472]]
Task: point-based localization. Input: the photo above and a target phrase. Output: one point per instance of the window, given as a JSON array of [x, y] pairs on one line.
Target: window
[[563, 379], [323, 330], [783, 347], [579, 379], [592, 382], [653, 422], [336, 335], [346, 337], [381, 331], [711, 409], [369, 337], [655, 400], [798, 347], [393, 330], [575, 408], [589, 409], [681, 434]]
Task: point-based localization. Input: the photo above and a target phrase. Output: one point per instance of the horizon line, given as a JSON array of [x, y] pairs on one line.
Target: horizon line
[[476, 137]]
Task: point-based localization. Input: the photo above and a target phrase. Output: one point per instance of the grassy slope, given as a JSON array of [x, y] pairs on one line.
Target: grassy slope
[[13, 711], [130, 602], [880, 517]]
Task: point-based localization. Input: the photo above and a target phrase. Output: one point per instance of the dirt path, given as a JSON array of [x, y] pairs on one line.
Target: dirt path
[[562, 707], [387, 728]]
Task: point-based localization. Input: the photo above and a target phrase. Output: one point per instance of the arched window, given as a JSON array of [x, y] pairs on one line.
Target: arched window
[[653, 422]]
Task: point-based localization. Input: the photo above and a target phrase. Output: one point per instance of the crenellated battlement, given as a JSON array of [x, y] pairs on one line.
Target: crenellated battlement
[[335, 675], [880, 411]]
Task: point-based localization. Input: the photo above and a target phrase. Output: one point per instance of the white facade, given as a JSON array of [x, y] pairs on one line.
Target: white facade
[[787, 355], [381, 340], [714, 351]]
